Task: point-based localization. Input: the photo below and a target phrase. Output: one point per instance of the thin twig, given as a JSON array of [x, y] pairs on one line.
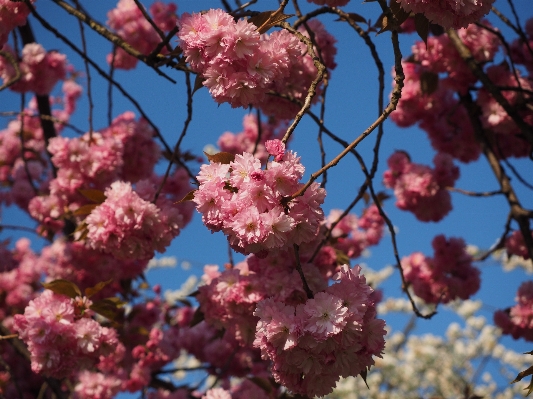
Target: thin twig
[[308, 291]]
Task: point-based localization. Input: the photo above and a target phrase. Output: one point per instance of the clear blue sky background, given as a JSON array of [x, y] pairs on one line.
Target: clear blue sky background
[[352, 106]]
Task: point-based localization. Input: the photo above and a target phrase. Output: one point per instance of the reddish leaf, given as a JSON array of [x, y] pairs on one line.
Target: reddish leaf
[[96, 196], [97, 288], [198, 83], [429, 82], [363, 376], [188, 197], [382, 196], [267, 19], [108, 307], [422, 27], [354, 17], [262, 383], [220, 157], [383, 23], [197, 317], [85, 210], [399, 13], [63, 287], [523, 374]]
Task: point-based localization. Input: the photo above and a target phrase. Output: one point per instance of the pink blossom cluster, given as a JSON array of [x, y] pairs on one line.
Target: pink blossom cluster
[[439, 113], [301, 74], [61, 335], [12, 14], [508, 136], [352, 235], [520, 52], [25, 174], [449, 13], [128, 226], [334, 334], [438, 109], [123, 151], [40, 70], [420, 189], [518, 320], [330, 3], [130, 24], [447, 276], [244, 390], [19, 279], [86, 267], [248, 203], [515, 244], [441, 56], [94, 385], [240, 66], [252, 139]]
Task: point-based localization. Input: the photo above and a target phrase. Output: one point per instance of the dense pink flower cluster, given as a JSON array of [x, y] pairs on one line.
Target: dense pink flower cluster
[[12, 14], [333, 335], [420, 189], [240, 66], [449, 13], [123, 151], [445, 277], [93, 385], [129, 227], [301, 73], [352, 235], [249, 140], [61, 335], [518, 320], [86, 267], [439, 69], [19, 279], [520, 49], [25, 174], [40, 70], [508, 137], [247, 203], [515, 244], [130, 24]]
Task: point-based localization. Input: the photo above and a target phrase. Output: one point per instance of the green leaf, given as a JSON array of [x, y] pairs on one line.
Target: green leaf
[[267, 19], [96, 196], [97, 288], [220, 157], [63, 287]]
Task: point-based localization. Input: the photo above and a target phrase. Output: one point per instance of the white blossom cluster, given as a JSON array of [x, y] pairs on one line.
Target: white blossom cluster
[[467, 360]]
